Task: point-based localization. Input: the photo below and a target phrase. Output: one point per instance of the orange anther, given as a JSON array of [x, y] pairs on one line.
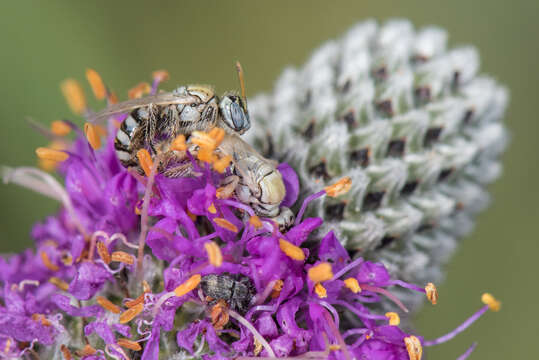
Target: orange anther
[[108, 305], [92, 136], [188, 285], [225, 224], [179, 143], [139, 90], [191, 215], [394, 318], [277, 289], [320, 272], [65, 352], [320, 290], [212, 209], [138, 300], [112, 98], [414, 348], [51, 154], [145, 161], [352, 284], [47, 262], [103, 252], [86, 351], [96, 83], [59, 283], [291, 250], [432, 293], [255, 221], [492, 303], [214, 253], [130, 313], [60, 128], [160, 75], [123, 257], [74, 95], [129, 344], [146, 287], [340, 187]]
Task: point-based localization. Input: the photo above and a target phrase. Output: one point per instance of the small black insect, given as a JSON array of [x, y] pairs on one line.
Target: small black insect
[[236, 290]]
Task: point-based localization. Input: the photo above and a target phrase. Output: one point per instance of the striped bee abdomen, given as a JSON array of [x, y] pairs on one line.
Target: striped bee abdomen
[[128, 131]]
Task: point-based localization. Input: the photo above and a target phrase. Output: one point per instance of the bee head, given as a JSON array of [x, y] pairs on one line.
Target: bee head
[[234, 112]]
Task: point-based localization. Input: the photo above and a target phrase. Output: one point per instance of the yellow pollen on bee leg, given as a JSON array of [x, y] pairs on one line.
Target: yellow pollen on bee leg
[[221, 164], [291, 250], [92, 136], [225, 224], [492, 303], [432, 293], [340, 187], [129, 344], [188, 285], [217, 134], [47, 262], [60, 128], [145, 161], [320, 290], [394, 318], [179, 143], [206, 155], [59, 283], [123, 257], [130, 313], [160, 75], [204, 140], [139, 90], [96, 83], [320, 272], [414, 348], [51, 154], [352, 284], [74, 95], [255, 221], [214, 253], [108, 305]]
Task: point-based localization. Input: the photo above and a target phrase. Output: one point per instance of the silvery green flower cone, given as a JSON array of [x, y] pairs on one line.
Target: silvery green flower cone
[[413, 123]]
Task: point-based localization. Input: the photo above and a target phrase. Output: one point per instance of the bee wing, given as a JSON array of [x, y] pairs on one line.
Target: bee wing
[[129, 105]]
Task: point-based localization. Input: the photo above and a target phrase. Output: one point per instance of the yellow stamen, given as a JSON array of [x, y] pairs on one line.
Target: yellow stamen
[[277, 289], [41, 318], [59, 283], [145, 161], [367, 336], [352, 284], [86, 351], [394, 318], [291, 250], [255, 221], [340, 187], [47, 262], [138, 300], [214, 253], [130, 313], [103, 252], [108, 305], [212, 209], [432, 293], [51, 154], [92, 136], [138, 211], [225, 224], [320, 272], [179, 143], [320, 290], [160, 75], [188, 286], [74, 95], [95, 81], [100, 130], [129, 344], [8, 345], [139, 90], [221, 164], [47, 164], [414, 348], [65, 352], [334, 347], [112, 98], [258, 347], [60, 128], [145, 286], [492, 303], [123, 257]]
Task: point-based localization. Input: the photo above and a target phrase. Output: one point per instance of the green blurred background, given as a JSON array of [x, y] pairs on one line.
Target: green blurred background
[[198, 42]]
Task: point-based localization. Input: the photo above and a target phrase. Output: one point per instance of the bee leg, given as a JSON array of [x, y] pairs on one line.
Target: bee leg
[[228, 185], [285, 218], [151, 126]]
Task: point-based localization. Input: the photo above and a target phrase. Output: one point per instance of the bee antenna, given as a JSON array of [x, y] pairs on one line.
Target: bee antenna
[[242, 82]]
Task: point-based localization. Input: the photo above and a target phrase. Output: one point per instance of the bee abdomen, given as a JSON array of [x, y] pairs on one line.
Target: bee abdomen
[[122, 143]]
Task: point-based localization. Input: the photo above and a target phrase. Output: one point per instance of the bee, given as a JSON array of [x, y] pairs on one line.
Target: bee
[[256, 181], [237, 290], [155, 120]]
